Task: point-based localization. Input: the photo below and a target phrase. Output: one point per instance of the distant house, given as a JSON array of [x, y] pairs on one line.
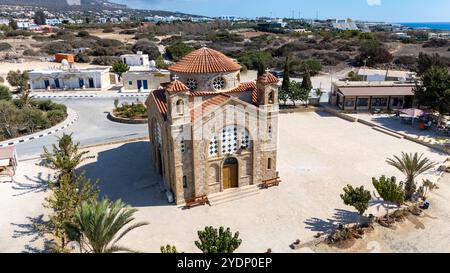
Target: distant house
[[24, 24], [138, 59], [385, 75], [53, 22], [97, 79], [345, 24], [4, 21], [63, 56], [440, 35], [144, 80], [367, 96]]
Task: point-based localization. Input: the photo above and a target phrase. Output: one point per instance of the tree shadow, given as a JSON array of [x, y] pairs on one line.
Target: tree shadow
[[127, 173], [327, 226], [34, 228], [35, 184]]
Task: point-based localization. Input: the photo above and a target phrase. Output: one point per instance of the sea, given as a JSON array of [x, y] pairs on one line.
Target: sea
[[432, 26]]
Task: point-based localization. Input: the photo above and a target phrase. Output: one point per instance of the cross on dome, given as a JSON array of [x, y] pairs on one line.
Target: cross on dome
[[267, 70], [175, 77]]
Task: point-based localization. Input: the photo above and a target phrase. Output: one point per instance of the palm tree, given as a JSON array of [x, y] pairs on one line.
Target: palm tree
[[411, 165], [100, 222]]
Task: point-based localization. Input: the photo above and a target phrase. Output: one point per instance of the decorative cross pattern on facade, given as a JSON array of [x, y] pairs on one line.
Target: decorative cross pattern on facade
[[183, 146], [214, 147]]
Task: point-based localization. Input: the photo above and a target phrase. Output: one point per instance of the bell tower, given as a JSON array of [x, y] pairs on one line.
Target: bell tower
[[177, 96], [267, 88]]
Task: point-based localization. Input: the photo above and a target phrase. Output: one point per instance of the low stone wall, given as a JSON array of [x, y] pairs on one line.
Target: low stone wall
[[385, 130], [340, 115], [114, 118], [297, 109]]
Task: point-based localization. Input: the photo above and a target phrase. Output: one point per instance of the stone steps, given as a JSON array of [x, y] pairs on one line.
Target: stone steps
[[388, 132], [233, 195]]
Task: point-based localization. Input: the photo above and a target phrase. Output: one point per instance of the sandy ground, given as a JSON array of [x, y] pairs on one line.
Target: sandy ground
[[428, 233], [21, 201], [124, 38], [318, 155]]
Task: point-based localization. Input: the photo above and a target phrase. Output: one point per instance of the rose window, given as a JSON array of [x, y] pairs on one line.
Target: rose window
[[192, 84], [219, 83]]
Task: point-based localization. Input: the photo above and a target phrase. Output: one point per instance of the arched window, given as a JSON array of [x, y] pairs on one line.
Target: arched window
[[269, 163], [230, 140], [180, 106], [157, 135], [271, 98]]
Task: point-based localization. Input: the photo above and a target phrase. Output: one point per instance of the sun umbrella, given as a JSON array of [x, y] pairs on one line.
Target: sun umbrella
[[412, 112]]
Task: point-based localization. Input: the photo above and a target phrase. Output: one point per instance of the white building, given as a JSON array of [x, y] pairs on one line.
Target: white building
[[53, 22], [441, 35], [375, 75], [4, 21], [140, 79], [24, 23], [138, 59], [345, 24], [98, 79]]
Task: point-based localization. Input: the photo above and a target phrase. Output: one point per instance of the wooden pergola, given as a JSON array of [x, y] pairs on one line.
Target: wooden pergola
[[8, 161]]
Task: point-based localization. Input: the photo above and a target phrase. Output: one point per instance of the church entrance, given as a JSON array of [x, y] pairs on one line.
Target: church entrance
[[230, 174]]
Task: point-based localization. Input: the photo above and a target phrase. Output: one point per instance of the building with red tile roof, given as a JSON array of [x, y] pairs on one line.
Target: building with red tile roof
[[209, 131]]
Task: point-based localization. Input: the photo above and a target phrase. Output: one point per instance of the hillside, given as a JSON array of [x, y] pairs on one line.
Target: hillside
[[66, 4]]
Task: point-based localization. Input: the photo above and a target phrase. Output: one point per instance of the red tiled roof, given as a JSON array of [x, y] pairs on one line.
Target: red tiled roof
[[217, 99], [160, 99], [208, 104], [205, 60], [268, 78], [176, 86]]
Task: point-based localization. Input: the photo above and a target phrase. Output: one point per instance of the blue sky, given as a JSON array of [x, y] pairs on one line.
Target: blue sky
[[373, 10]]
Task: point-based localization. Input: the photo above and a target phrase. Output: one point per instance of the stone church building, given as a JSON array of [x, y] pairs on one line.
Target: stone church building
[[210, 132]]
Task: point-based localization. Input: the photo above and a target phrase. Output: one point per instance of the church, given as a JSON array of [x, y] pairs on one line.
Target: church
[[210, 132]]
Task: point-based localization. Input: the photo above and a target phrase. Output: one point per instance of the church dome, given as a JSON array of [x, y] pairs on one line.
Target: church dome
[[205, 60]]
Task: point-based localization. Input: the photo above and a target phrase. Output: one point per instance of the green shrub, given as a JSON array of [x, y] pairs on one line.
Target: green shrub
[[82, 58], [128, 31], [56, 116], [178, 51], [5, 46], [105, 60], [29, 52], [108, 29], [5, 93], [83, 34]]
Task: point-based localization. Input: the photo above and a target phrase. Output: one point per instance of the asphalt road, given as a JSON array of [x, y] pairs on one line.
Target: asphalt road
[[91, 128]]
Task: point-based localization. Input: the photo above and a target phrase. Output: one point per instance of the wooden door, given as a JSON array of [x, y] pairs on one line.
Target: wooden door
[[226, 177], [230, 176]]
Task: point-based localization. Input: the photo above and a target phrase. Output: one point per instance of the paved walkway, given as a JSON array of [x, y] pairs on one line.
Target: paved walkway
[[318, 155]]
